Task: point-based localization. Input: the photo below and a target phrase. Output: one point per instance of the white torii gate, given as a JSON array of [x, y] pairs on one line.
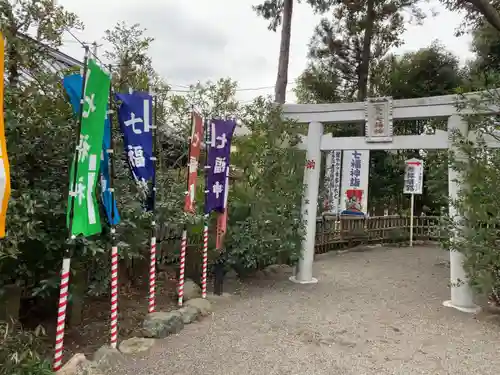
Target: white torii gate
[[378, 115]]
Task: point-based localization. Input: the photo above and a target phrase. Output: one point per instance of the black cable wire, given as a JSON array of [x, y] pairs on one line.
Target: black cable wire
[[178, 85]]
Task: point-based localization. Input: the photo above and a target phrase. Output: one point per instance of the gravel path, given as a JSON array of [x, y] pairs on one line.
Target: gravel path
[[376, 312]]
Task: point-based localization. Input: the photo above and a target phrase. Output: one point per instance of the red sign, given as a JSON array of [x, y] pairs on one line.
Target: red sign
[[354, 202], [310, 164], [194, 156]]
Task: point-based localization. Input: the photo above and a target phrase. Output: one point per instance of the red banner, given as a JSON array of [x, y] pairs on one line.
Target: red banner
[[221, 229], [194, 156], [222, 217]]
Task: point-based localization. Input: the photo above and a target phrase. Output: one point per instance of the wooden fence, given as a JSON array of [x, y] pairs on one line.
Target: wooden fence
[[334, 233]]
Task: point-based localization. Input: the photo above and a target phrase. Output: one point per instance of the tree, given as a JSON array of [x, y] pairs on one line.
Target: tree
[[477, 12], [280, 12], [129, 54], [353, 41], [41, 18], [35, 112]]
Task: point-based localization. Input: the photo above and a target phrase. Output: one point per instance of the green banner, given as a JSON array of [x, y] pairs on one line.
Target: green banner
[[86, 219]]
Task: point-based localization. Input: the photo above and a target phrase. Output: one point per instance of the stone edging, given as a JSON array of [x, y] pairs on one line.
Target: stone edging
[[156, 325]]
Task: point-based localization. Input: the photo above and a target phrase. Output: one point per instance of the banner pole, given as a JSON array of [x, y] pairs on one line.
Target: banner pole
[[219, 266], [114, 247], [66, 264], [152, 268], [206, 215], [412, 206], [182, 257]]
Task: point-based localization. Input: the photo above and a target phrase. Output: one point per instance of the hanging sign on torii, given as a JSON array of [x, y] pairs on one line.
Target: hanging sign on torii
[[378, 120]]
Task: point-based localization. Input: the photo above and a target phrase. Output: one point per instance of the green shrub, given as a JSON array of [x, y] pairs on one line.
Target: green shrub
[[20, 352]]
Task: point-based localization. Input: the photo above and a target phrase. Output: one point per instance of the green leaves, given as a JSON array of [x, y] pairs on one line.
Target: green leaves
[[264, 205], [21, 351], [478, 233]]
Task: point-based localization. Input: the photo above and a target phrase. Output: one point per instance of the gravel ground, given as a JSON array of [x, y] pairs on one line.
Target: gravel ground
[[376, 312]]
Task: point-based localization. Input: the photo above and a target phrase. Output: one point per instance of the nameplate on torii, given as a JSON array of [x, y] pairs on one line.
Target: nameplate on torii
[[378, 120]]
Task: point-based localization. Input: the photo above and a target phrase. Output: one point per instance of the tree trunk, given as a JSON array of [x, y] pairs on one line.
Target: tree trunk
[[489, 12], [286, 33], [364, 66]]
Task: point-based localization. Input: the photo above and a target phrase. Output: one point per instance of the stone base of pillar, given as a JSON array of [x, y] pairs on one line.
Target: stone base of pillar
[[293, 279], [474, 309]]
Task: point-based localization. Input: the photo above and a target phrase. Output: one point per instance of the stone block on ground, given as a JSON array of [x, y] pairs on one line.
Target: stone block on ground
[[191, 290], [189, 314], [202, 304], [74, 365], [90, 368], [107, 357], [273, 268], [136, 345], [161, 324]]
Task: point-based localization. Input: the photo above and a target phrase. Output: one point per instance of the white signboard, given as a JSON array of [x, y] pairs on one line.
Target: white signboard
[[378, 119], [332, 181], [355, 168], [414, 176]]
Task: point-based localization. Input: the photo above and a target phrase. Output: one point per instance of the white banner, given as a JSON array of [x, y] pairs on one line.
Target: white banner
[[332, 181], [355, 172], [414, 176]]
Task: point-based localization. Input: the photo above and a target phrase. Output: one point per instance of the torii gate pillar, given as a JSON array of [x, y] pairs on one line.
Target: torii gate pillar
[[462, 297], [304, 271]]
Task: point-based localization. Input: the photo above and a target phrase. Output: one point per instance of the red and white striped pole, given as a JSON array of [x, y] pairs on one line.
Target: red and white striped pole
[[152, 275], [114, 248], [182, 266], [66, 263], [114, 295], [152, 264], [205, 261], [61, 314], [206, 217]]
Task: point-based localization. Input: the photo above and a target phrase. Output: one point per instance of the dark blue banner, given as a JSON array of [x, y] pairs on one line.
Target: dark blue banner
[[221, 134], [135, 115], [73, 86]]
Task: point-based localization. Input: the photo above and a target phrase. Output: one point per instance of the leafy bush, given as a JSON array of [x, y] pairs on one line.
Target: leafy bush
[[477, 222], [264, 207], [20, 352]]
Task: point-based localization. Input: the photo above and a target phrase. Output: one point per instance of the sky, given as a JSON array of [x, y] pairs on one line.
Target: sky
[[199, 40]]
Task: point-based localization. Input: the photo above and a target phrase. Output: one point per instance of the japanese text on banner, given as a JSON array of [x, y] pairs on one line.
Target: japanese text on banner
[[135, 116], [218, 161], [355, 172], [86, 219], [413, 179], [194, 156], [334, 181], [73, 86]]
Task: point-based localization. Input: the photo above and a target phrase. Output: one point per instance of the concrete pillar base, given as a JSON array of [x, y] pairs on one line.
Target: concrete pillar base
[[293, 279], [474, 309]]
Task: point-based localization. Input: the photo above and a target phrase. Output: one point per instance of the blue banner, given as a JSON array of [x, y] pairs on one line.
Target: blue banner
[[135, 115], [221, 134], [73, 86]]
